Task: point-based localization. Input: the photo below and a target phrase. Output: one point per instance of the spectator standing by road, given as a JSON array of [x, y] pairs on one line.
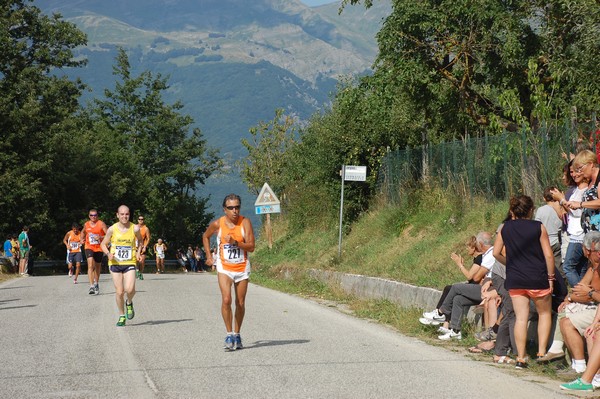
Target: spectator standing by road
[[25, 249], [529, 272], [574, 262], [551, 216]]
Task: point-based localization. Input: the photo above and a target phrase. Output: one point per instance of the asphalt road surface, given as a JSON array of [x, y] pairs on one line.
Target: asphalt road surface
[[56, 341]]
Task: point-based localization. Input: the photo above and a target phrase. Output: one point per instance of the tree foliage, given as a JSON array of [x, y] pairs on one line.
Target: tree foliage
[[35, 106], [151, 161], [447, 69], [267, 148], [58, 159]]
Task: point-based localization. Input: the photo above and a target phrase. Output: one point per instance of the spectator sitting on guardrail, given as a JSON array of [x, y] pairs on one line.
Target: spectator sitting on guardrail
[[463, 295], [9, 253], [435, 317]]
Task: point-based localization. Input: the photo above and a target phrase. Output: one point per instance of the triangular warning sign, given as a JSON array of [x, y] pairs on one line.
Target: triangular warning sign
[[266, 196]]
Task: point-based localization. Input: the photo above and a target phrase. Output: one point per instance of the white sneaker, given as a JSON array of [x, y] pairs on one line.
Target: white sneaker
[[443, 330], [429, 322], [596, 381], [434, 316], [450, 335]]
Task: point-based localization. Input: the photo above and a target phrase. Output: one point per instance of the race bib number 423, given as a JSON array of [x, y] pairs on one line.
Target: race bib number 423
[[123, 253]]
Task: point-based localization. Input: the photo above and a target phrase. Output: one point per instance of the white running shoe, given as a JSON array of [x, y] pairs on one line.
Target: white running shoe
[[429, 322], [450, 335], [443, 330], [434, 315]]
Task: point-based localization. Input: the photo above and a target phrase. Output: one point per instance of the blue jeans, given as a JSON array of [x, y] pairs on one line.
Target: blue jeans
[[574, 264]]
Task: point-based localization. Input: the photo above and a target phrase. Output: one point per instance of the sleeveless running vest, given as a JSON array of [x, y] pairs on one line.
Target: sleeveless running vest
[[74, 242], [122, 245], [232, 257], [93, 236]]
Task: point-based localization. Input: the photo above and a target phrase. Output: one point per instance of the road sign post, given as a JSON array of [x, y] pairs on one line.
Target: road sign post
[[266, 204], [351, 173]]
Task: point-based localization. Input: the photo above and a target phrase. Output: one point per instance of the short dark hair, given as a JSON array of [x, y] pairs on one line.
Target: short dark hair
[[231, 197], [548, 193]]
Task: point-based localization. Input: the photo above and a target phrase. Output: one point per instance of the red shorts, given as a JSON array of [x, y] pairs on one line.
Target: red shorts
[[530, 293]]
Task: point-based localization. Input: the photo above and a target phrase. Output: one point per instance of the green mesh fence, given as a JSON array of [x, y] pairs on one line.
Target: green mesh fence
[[493, 166]]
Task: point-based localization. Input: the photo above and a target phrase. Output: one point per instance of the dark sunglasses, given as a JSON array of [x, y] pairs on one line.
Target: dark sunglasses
[[231, 208], [93, 215]]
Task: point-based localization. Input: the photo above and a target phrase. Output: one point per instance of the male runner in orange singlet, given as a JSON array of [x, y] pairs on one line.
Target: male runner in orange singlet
[[72, 241], [145, 232], [235, 238], [92, 235]]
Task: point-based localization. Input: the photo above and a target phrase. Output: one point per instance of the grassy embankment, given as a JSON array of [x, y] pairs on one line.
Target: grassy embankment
[[410, 243]]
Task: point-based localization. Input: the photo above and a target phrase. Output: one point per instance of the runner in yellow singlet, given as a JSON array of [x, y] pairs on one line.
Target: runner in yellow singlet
[[122, 257], [235, 238]]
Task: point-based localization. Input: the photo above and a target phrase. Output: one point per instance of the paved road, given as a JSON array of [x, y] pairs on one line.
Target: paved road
[[56, 341]]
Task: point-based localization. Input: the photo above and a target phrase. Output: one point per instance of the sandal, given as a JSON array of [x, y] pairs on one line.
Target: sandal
[[475, 349], [503, 360]]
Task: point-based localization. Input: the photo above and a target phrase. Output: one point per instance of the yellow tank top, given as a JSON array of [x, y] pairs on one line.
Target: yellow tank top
[[122, 245]]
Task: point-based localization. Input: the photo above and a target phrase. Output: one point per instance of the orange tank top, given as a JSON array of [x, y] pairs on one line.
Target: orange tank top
[[232, 257], [93, 236], [74, 242]]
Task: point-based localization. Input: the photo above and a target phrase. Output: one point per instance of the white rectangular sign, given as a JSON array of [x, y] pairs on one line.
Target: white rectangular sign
[[355, 173], [263, 209]]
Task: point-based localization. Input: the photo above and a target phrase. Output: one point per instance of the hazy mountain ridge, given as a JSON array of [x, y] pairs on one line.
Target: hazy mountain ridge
[[231, 63], [283, 32]]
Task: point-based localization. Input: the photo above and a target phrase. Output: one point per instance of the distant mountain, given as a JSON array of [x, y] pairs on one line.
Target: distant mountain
[[230, 62]]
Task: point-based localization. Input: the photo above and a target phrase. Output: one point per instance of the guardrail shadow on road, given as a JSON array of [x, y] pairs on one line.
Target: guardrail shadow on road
[[258, 344], [18, 307], [158, 322]]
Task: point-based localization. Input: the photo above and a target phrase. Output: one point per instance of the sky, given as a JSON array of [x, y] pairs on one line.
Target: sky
[[317, 2]]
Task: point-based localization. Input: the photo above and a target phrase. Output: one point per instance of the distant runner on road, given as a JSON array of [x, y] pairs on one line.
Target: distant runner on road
[[122, 255], [235, 238], [92, 234], [145, 232], [159, 249], [72, 241]]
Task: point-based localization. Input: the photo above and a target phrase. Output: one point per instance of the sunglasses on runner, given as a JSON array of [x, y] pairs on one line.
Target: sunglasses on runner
[[231, 208]]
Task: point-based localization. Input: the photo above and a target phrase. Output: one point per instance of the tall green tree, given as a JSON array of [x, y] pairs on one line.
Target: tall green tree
[[468, 63], [152, 161], [267, 148], [35, 105]]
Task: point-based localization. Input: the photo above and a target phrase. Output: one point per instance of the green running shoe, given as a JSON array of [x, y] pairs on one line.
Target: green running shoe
[[121, 321], [577, 385], [141, 276], [130, 311]]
